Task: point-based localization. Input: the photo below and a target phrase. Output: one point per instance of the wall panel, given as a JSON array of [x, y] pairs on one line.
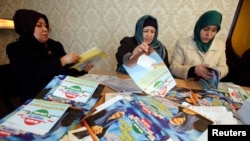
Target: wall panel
[[83, 24]]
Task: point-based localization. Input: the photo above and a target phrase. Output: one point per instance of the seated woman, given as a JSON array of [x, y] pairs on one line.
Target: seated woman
[[192, 55], [34, 57], [146, 32]]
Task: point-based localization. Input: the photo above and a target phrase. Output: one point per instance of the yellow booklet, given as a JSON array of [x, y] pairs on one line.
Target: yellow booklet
[[92, 56]]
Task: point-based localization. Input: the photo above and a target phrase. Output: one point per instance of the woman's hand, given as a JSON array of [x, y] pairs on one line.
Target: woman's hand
[[202, 71], [143, 47], [70, 58], [88, 67]]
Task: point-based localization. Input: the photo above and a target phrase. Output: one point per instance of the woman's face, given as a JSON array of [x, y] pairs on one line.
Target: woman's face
[[148, 34], [41, 31], [117, 115], [207, 33], [178, 120]]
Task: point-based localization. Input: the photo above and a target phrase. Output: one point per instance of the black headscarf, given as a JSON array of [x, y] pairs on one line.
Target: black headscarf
[[25, 21]]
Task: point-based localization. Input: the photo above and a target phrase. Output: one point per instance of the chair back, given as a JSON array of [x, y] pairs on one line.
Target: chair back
[[9, 87]]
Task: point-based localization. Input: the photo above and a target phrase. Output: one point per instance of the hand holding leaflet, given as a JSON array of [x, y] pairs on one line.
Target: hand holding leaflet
[[91, 56], [150, 73], [213, 82]]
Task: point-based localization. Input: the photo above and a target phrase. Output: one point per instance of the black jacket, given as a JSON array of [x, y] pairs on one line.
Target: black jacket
[[127, 45], [35, 64]]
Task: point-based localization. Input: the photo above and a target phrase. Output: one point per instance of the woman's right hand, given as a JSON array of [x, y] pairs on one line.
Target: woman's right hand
[[70, 58], [143, 47]]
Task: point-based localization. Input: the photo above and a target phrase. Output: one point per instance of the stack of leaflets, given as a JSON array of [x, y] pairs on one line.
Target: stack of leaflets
[[234, 92], [202, 98], [122, 85], [229, 89], [75, 89], [244, 112], [70, 119], [216, 113], [115, 83], [97, 77], [80, 134], [37, 117], [150, 73], [232, 96], [78, 92], [146, 118]]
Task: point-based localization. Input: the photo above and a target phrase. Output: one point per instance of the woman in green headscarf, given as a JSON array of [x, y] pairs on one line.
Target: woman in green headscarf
[[192, 55], [146, 32]]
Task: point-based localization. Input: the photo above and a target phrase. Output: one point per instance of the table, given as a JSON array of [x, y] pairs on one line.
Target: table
[[180, 83]]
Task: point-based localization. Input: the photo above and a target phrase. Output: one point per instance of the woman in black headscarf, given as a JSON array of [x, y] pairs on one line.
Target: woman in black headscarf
[[102, 120], [34, 57], [187, 120], [146, 32]]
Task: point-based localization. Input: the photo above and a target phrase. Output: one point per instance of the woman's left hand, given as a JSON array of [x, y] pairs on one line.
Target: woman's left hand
[[88, 67], [202, 71]]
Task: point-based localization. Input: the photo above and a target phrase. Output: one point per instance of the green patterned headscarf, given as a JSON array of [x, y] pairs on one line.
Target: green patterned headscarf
[[156, 44], [211, 17]]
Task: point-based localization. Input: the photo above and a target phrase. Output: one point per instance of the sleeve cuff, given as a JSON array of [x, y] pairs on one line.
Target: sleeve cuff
[[191, 72], [126, 57]]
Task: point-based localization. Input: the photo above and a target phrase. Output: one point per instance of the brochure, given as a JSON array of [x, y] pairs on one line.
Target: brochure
[[76, 89], [92, 56], [69, 120], [212, 83], [38, 116], [47, 94], [150, 73]]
